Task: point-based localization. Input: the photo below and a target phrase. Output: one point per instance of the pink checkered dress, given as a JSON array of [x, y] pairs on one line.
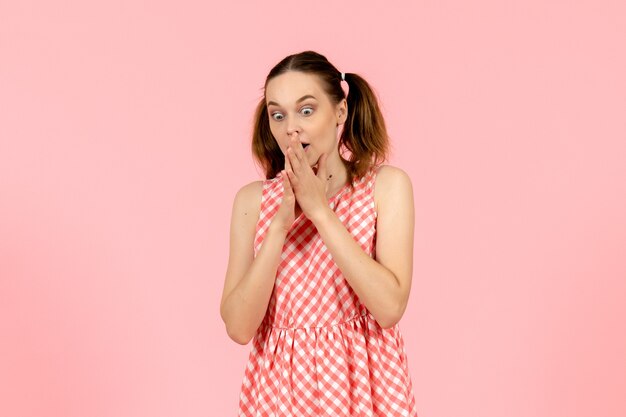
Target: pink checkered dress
[[318, 351]]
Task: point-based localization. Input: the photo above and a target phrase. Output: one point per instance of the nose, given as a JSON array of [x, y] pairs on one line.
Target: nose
[[292, 127]]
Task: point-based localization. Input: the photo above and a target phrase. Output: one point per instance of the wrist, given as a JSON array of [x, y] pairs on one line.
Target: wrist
[[277, 228], [322, 215]]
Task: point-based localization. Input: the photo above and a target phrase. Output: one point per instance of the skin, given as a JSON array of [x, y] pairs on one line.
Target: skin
[[314, 121], [382, 283]]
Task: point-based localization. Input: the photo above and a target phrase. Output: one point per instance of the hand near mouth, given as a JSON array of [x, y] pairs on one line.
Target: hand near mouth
[[309, 185]]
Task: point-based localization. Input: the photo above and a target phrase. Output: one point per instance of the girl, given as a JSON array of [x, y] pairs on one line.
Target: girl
[[321, 252]]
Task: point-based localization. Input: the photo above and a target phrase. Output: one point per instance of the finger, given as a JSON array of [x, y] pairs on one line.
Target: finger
[[293, 159], [286, 183], [299, 160], [289, 168], [287, 163], [297, 147]]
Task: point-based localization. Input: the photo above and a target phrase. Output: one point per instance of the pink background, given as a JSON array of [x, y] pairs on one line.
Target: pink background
[[124, 135]]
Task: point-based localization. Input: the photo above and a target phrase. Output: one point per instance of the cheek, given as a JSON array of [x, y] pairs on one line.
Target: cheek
[[273, 130], [329, 133], [275, 136], [329, 127]]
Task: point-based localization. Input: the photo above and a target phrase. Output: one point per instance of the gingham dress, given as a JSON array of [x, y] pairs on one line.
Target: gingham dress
[[318, 351]]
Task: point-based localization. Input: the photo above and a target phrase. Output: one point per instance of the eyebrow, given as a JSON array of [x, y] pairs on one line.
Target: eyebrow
[[297, 101]]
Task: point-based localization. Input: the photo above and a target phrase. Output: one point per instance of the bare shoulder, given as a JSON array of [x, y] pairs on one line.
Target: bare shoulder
[[391, 184], [248, 199]]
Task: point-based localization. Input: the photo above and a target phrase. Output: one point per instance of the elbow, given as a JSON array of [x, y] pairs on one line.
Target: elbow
[[395, 308], [393, 318], [234, 333], [238, 337], [240, 340], [387, 323]]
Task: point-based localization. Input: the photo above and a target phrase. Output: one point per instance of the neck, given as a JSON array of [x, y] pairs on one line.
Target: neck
[[336, 173]]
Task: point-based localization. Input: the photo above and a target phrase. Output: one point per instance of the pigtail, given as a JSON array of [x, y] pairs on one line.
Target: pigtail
[[364, 132]]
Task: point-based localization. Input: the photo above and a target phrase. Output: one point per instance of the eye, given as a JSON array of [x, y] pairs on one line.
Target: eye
[[277, 114], [305, 109]]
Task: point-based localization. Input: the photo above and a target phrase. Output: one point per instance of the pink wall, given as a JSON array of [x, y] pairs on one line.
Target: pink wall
[[124, 131]]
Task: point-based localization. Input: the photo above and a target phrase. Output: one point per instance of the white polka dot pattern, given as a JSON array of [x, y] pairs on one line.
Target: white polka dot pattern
[[318, 351]]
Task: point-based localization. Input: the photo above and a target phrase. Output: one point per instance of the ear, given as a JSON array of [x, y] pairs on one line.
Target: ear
[[342, 112]]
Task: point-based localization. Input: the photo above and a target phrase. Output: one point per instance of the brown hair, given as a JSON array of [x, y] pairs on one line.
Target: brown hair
[[364, 133]]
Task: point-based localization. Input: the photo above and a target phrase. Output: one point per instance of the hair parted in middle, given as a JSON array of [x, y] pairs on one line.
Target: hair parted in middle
[[364, 133]]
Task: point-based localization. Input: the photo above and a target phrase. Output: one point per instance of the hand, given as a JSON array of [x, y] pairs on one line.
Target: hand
[[309, 188], [285, 216]]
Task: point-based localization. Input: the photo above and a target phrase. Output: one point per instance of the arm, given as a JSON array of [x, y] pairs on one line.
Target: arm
[[382, 284], [249, 281]]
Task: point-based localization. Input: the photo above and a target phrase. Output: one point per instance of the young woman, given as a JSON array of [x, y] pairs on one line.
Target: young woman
[[321, 252]]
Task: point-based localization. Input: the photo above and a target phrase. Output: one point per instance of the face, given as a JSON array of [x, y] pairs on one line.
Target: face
[[296, 102]]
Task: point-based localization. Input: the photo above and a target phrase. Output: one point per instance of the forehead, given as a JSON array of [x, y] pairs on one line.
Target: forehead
[[288, 87]]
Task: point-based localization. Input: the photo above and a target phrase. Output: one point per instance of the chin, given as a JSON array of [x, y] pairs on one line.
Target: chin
[[309, 159], [314, 163]]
